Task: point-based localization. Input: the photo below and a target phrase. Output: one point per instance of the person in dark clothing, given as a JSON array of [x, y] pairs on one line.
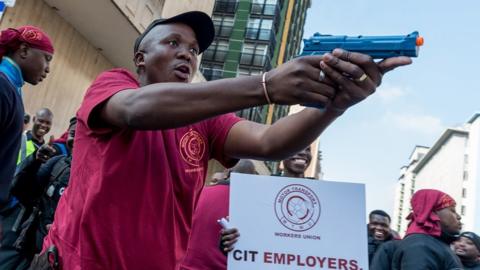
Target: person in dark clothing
[[378, 231], [38, 186], [34, 138], [434, 225], [382, 259], [467, 248], [41, 185], [25, 53]]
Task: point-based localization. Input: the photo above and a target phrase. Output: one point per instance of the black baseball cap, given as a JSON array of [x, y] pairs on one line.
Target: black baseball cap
[[199, 21]]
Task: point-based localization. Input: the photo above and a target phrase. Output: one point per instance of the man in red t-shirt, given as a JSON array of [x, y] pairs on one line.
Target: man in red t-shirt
[[143, 143]]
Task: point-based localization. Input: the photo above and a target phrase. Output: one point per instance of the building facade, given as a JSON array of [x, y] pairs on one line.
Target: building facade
[[451, 165], [405, 188], [252, 37], [89, 36]]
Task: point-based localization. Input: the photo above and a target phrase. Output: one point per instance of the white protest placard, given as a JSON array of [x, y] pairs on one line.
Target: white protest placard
[[291, 223]]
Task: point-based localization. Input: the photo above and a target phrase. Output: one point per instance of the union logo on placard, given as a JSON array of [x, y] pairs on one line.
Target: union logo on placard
[[297, 207]]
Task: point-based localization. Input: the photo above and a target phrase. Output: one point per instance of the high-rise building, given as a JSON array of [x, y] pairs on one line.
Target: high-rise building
[[451, 165], [405, 189], [252, 36]]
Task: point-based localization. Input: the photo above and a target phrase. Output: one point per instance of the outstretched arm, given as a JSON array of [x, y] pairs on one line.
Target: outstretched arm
[[171, 105], [356, 76]]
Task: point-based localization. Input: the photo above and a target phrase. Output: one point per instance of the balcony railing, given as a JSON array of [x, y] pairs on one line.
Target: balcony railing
[[223, 30], [258, 60], [212, 54], [225, 6], [265, 9]]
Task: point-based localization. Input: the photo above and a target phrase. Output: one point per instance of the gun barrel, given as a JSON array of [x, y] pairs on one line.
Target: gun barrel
[[378, 47]]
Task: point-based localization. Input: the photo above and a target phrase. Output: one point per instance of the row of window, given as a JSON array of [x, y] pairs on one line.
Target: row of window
[[257, 28], [258, 55], [260, 7], [215, 71]]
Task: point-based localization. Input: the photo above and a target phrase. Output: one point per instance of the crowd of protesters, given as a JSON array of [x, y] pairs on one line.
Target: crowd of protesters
[[131, 195]]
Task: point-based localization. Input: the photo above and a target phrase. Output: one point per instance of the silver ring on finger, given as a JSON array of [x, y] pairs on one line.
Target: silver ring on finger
[[362, 78]]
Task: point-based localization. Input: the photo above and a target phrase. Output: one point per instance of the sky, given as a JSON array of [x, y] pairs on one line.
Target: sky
[[415, 104]]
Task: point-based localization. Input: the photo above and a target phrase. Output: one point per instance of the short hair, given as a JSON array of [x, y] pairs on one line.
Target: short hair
[[380, 213], [45, 111]]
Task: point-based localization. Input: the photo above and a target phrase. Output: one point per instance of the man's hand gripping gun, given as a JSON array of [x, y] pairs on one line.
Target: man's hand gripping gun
[[378, 47]]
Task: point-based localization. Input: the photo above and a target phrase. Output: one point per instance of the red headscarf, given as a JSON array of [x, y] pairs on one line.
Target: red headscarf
[[11, 38], [424, 204]]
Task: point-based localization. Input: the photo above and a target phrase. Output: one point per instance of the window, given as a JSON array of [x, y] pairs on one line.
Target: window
[[463, 210], [225, 6], [255, 55], [465, 176], [464, 193], [265, 7], [223, 25], [260, 23], [216, 52], [211, 71], [259, 29]]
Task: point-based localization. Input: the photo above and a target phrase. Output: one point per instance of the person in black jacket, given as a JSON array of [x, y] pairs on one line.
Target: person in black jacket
[[434, 226], [39, 185], [378, 231], [25, 54], [382, 260], [467, 248]]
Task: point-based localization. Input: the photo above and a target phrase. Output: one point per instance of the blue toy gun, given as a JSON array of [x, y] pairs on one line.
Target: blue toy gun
[[378, 47]]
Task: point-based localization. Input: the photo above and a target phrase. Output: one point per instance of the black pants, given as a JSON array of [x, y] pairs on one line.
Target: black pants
[[11, 221]]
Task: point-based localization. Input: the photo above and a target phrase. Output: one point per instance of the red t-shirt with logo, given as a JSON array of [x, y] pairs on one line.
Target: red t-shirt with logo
[[132, 193], [203, 251]]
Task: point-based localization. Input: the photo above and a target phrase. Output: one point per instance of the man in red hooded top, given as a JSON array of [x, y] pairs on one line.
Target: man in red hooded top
[[434, 224]]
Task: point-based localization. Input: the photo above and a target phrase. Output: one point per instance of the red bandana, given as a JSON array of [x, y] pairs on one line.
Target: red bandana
[[424, 204], [11, 38]]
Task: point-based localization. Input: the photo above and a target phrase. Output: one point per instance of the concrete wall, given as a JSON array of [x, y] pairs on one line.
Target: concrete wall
[[75, 64]]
